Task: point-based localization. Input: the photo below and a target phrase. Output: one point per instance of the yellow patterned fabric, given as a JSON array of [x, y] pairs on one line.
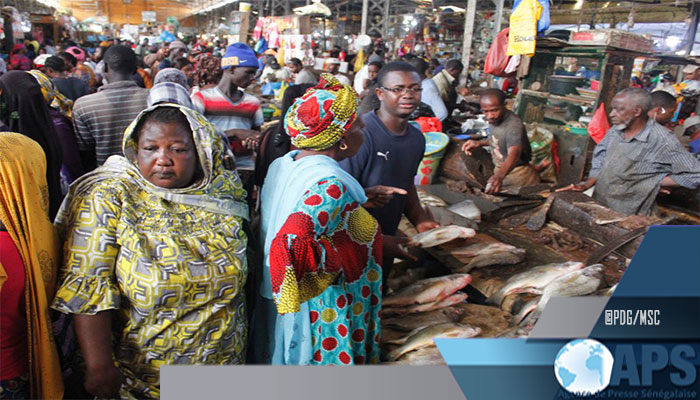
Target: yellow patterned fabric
[[24, 211], [323, 115], [53, 97], [172, 262]]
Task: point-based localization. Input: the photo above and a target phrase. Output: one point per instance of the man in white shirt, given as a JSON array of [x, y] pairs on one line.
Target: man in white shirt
[[333, 66]]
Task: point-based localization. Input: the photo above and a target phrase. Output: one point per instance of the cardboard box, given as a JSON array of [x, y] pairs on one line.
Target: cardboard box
[[612, 38]]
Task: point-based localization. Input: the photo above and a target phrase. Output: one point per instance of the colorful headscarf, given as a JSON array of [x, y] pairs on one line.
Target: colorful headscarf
[[53, 97], [318, 119]]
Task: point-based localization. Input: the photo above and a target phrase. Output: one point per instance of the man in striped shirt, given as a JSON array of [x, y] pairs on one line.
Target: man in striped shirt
[[637, 158], [101, 118]]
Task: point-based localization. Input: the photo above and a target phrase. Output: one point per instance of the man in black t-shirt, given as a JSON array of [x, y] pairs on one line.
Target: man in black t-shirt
[[392, 151], [510, 147]]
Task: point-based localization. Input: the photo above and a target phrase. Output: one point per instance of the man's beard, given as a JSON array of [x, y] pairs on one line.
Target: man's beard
[[622, 126]]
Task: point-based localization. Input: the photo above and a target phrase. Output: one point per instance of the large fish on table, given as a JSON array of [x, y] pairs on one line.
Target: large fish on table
[[493, 254], [428, 290], [455, 298], [533, 280], [575, 283], [442, 235], [424, 337], [415, 321]]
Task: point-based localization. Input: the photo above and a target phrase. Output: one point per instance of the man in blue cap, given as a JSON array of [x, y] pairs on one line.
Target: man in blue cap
[[227, 106]]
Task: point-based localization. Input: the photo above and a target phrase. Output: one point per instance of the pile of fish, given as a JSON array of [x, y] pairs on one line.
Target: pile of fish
[[426, 295], [552, 280], [428, 199]]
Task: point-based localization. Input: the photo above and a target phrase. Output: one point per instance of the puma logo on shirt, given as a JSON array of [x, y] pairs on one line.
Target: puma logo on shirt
[[385, 155]]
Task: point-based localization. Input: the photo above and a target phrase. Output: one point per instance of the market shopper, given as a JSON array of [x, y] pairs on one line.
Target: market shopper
[[333, 68], [227, 106], [663, 106], [61, 113], [510, 148], [71, 87], [25, 111], [100, 118], [637, 158], [691, 128], [29, 259], [446, 82], [300, 73], [430, 94], [207, 73], [322, 275], [392, 150], [155, 243], [81, 70]]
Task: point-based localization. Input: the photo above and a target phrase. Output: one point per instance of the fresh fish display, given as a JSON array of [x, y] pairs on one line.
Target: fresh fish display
[[428, 290], [575, 283], [495, 254], [424, 356], [428, 199], [415, 321], [449, 301], [392, 336], [424, 337], [533, 280], [441, 235]]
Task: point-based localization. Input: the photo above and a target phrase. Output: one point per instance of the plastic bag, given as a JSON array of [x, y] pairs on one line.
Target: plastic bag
[[599, 125], [523, 28], [497, 60]]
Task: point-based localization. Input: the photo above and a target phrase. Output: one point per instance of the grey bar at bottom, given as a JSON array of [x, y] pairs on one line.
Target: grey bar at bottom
[[309, 383]]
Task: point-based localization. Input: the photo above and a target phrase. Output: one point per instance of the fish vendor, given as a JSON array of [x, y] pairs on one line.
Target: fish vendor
[[510, 147], [637, 158]]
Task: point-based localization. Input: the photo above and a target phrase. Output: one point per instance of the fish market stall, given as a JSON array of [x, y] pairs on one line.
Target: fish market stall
[[492, 273]]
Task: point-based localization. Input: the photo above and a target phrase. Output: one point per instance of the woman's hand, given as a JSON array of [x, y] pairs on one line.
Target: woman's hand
[[395, 246], [104, 382], [380, 195]]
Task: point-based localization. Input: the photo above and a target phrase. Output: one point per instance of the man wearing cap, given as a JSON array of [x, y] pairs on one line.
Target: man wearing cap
[[691, 128], [101, 118], [333, 67], [637, 158], [227, 106], [71, 87]]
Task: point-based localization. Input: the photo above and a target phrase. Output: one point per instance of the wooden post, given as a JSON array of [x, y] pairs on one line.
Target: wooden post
[[499, 18], [469, 16], [363, 27]]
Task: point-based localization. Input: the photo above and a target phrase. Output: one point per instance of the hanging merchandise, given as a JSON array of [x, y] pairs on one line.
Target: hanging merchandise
[[497, 60], [513, 64], [543, 21], [599, 124], [257, 31], [261, 46], [523, 28]]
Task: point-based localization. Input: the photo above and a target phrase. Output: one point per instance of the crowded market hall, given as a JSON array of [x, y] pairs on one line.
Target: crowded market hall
[[323, 182]]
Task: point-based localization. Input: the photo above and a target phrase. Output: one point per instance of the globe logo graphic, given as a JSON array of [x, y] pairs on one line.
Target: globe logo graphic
[[583, 367]]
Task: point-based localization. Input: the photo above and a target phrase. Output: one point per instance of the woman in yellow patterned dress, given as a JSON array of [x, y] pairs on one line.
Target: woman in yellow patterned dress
[[155, 255]]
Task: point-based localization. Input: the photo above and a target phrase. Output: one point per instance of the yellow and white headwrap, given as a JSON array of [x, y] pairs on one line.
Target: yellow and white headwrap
[[318, 119], [53, 97]]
